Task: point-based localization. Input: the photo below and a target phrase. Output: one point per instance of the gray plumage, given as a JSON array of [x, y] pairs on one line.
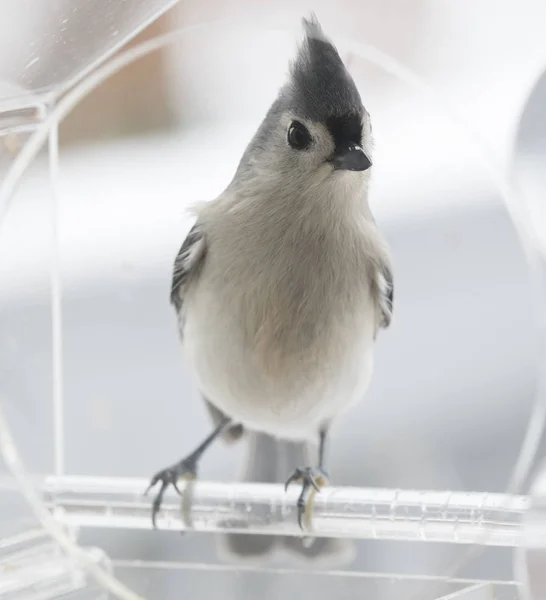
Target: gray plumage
[[284, 281]]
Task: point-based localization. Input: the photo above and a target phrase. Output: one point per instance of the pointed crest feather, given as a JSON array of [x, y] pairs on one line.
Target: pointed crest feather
[[321, 86]]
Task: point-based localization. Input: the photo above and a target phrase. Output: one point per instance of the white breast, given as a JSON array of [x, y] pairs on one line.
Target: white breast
[[280, 325], [293, 402]]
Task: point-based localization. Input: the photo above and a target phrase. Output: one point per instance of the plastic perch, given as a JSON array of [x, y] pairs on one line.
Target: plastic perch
[[365, 513]]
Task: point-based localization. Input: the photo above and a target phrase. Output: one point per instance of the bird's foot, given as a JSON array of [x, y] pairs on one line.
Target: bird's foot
[[184, 469], [312, 479]]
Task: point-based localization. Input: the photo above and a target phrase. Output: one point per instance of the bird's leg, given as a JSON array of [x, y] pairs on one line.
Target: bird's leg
[[185, 468], [322, 447], [310, 477]]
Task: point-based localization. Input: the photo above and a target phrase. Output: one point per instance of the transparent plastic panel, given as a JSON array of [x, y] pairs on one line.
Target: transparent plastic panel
[[25, 340], [96, 396], [528, 157], [194, 582], [32, 566], [528, 177], [46, 47]]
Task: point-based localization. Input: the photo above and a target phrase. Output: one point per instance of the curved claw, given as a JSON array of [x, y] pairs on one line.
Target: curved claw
[[313, 482], [301, 504], [153, 481], [175, 486], [156, 505], [169, 476], [311, 478], [294, 477]]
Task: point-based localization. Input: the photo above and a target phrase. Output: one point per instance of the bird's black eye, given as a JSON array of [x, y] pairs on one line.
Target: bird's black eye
[[298, 136]]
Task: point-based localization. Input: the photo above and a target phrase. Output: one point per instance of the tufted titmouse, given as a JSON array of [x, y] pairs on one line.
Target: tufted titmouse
[[283, 283]]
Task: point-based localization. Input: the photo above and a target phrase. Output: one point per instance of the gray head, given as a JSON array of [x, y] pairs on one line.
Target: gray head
[[316, 131]]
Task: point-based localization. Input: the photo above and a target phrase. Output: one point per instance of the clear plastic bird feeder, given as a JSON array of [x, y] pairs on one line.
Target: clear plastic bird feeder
[[73, 521]]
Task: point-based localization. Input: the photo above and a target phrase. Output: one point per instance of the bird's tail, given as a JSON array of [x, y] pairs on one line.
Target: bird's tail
[[270, 460]]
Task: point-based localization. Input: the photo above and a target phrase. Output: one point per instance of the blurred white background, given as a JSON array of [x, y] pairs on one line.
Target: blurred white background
[[455, 374]]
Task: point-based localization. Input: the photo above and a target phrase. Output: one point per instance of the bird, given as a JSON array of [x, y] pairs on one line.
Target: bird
[[283, 283]]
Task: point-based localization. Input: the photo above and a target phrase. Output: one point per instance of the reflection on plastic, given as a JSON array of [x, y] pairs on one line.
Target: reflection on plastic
[[196, 581], [48, 46], [33, 566], [530, 559]]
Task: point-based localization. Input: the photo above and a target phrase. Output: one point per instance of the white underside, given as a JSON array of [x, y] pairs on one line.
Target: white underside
[[292, 405]]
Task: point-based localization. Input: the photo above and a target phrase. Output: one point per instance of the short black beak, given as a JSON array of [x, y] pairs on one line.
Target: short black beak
[[351, 158]]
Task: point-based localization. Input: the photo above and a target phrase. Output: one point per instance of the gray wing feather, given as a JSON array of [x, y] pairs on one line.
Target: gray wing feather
[[187, 265], [188, 262]]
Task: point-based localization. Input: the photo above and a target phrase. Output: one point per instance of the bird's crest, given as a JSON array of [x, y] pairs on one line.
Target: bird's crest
[[320, 84]]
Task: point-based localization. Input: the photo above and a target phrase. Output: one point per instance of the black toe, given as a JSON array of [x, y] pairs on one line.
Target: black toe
[[169, 476], [311, 478]]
